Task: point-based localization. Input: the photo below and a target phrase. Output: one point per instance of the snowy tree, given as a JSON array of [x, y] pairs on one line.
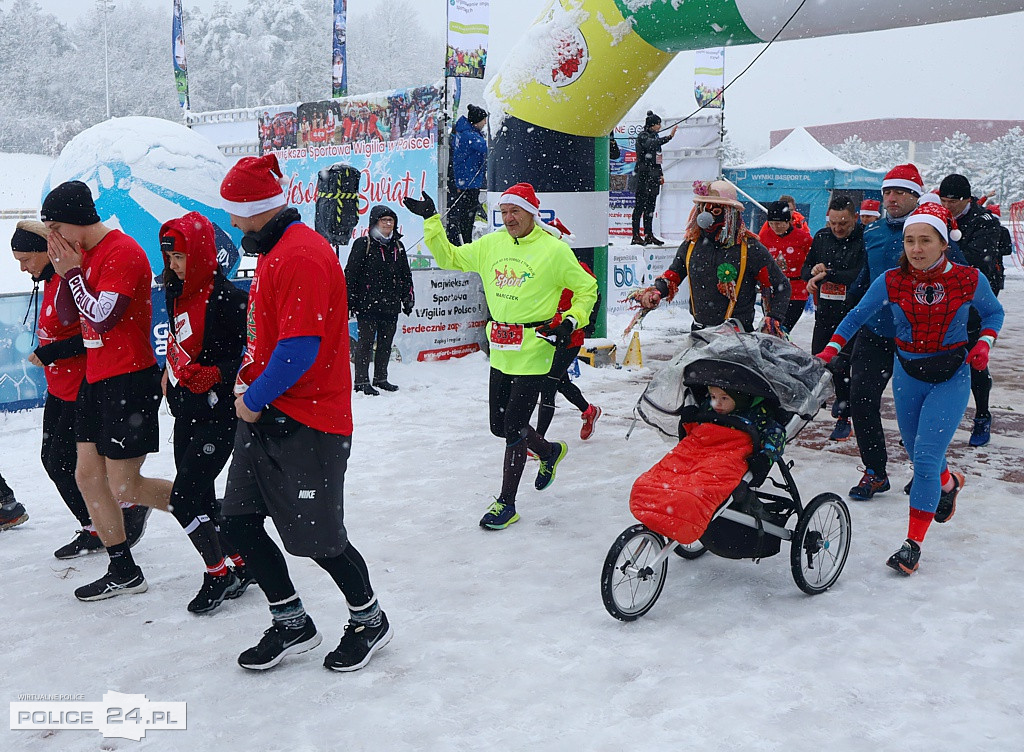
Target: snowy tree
[[951, 157], [1001, 167], [731, 154], [383, 54], [853, 150], [885, 155]]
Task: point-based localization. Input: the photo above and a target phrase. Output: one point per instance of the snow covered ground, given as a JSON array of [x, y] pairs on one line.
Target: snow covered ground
[[501, 640]]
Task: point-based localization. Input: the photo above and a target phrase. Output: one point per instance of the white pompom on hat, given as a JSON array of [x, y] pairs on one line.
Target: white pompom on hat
[[253, 186], [930, 211]]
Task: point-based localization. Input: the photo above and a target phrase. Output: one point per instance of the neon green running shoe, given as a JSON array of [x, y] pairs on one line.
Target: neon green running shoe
[[548, 466], [499, 515]]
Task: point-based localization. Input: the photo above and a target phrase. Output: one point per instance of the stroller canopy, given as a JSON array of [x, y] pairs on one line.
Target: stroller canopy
[[759, 364]]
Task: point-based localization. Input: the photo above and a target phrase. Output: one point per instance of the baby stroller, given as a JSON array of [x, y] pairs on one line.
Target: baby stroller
[[751, 523]]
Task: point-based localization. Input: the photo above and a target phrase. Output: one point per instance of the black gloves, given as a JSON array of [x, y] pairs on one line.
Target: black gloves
[[558, 331], [407, 305], [423, 207]]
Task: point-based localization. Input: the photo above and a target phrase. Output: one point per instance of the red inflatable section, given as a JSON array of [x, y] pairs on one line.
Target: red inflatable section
[[679, 496]]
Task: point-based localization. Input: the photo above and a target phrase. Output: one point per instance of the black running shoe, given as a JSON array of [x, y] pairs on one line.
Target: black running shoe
[[215, 590], [947, 500], [386, 385], [358, 645], [12, 514], [905, 560], [278, 642], [245, 579], [83, 543], [135, 519], [110, 585]]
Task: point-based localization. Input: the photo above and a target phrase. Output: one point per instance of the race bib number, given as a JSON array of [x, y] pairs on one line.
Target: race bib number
[[176, 357], [506, 336], [832, 291]]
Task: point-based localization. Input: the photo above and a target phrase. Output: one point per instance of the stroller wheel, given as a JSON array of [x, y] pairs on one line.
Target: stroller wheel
[[821, 543], [630, 586], [690, 550]]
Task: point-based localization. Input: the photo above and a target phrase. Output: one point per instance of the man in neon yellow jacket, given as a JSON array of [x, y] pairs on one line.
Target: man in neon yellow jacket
[[524, 268]]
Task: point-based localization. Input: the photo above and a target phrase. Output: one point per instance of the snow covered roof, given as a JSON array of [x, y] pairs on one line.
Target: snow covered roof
[[799, 151]]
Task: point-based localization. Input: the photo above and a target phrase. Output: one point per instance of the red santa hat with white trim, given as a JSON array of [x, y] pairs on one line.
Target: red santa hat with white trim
[[524, 196], [905, 176], [871, 208], [930, 211], [253, 186]]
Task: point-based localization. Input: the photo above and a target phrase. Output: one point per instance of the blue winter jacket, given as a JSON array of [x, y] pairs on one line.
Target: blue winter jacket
[[883, 244], [469, 156]]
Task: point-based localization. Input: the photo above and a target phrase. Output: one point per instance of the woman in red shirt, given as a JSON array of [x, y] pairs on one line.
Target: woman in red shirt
[[788, 245]]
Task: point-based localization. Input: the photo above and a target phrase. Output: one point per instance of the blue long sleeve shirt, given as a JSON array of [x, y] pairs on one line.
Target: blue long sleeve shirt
[[291, 358]]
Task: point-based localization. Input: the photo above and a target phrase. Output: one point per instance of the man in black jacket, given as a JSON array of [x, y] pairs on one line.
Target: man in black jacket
[[379, 286], [649, 178], [833, 263], [981, 246]]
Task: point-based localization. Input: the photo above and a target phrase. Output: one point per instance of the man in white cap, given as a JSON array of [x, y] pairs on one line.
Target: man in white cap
[[725, 265], [294, 399], [525, 266]]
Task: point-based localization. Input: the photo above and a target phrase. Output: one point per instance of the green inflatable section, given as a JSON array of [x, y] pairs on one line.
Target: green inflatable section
[[688, 25]]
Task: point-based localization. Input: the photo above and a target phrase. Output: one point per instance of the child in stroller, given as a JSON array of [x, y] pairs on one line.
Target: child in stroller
[[730, 430], [723, 401]]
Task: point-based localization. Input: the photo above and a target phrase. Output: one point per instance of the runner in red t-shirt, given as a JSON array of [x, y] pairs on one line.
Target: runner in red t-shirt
[[61, 355], [294, 397], [116, 426]]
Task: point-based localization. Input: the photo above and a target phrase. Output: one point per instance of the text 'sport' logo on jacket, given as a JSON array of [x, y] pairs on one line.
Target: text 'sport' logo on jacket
[[506, 277]]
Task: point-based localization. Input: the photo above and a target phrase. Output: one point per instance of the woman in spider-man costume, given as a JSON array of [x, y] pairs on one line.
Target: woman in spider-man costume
[[930, 298]]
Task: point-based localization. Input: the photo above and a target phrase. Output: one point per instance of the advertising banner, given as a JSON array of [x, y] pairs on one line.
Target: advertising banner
[[467, 38], [22, 385], [621, 198], [631, 268], [709, 78], [178, 56], [339, 60], [449, 318]]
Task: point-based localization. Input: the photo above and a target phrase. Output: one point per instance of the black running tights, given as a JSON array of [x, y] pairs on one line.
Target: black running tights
[[60, 454], [265, 560], [557, 381], [511, 400]]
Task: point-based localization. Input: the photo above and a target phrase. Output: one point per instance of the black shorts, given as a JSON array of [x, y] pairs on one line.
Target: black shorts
[[119, 414], [296, 475]]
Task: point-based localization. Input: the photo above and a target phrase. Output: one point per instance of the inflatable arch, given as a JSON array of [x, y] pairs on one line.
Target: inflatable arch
[[560, 90]]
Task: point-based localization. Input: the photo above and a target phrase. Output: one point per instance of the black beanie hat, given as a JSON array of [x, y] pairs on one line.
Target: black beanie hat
[[475, 114], [652, 119], [955, 186], [27, 242], [71, 203], [779, 211]]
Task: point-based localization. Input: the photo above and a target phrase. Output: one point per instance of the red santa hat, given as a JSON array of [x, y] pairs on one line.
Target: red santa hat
[[524, 196], [871, 208], [931, 212], [253, 186], [905, 176]]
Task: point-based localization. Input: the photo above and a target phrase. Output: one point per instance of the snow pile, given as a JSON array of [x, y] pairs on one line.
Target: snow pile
[[157, 151]]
